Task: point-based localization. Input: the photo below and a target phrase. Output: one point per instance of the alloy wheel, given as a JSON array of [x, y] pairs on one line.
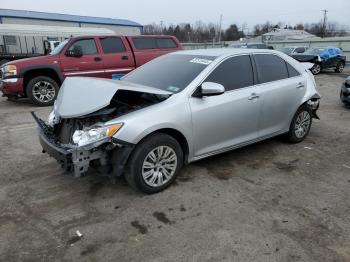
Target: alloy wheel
[[340, 67], [44, 91], [159, 166], [316, 69], [302, 124]]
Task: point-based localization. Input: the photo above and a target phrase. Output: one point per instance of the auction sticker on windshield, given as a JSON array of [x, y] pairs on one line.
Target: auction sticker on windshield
[[201, 61]]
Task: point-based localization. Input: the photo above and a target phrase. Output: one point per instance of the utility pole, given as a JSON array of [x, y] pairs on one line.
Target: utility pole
[[324, 22], [220, 25]]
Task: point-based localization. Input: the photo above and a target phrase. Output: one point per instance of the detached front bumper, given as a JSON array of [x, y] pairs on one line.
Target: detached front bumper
[[345, 94], [78, 160], [12, 87]]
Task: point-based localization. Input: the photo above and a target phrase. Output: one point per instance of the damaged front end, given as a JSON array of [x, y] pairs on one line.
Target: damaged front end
[[83, 140]]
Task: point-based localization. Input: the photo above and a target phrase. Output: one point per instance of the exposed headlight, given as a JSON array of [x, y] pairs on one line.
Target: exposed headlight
[[319, 59], [52, 120], [85, 137], [9, 70]]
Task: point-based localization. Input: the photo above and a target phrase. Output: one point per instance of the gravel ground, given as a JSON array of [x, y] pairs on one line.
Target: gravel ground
[[272, 201]]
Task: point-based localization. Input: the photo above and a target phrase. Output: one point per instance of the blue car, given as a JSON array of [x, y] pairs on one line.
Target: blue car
[[323, 58]]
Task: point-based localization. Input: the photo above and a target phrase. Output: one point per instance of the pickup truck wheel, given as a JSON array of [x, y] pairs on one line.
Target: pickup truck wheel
[[301, 125], [42, 90], [316, 69], [339, 68], [154, 164]]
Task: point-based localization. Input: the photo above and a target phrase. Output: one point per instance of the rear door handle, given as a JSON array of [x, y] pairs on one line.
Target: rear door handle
[[125, 57], [300, 85], [98, 59], [253, 96]]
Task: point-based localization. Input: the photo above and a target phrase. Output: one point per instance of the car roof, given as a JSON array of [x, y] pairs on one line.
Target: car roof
[[224, 51]]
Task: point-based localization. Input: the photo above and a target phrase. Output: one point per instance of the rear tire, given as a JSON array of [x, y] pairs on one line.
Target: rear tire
[[339, 68], [301, 125], [42, 90], [154, 164]]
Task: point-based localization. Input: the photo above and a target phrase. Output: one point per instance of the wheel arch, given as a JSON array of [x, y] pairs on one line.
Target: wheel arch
[[49, 71], [178, 136]]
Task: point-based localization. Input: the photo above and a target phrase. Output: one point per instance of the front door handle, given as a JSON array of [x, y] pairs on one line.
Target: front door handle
[[300, 85], [125, 57], [253, 96], [98, 59]]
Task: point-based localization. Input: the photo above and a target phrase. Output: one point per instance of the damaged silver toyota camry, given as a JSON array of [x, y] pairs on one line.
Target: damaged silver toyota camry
[[177, 109]]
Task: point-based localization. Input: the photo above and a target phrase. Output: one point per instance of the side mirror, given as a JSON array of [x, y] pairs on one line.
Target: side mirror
[[76, 52], [211, 89]]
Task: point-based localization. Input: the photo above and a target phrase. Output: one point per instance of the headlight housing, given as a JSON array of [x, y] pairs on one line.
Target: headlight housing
[[347, 81], [95, 134], [52, 120], [9, 70]]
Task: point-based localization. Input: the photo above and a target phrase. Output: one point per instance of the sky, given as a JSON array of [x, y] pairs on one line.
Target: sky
[[249, 12]]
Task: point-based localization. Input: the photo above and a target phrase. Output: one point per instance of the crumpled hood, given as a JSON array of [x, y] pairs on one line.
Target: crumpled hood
[[79, 96]]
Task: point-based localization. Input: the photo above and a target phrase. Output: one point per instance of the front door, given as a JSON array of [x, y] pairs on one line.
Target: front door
[[89, 64], [230, 119]]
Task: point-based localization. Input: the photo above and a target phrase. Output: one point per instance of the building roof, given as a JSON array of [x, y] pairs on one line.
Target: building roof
[[281, 34], [56, 31], [66, 18]]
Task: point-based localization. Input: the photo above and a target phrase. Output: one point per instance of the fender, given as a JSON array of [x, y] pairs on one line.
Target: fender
[[55, 68]]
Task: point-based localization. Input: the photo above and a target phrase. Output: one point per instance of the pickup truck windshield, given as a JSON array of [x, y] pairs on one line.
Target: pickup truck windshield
[[58, 48], [170, 72]]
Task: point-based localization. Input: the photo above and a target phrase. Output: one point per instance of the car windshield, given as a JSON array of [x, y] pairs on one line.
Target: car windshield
[[58, 48], [172, 72], [314, 51]]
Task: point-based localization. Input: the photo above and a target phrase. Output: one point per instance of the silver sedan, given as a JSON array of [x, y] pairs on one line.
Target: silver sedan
[[177, 109]]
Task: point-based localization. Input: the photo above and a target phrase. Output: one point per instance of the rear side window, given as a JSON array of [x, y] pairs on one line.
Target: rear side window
[[233, 73], [165, 43], [87, 45], [145, 43], [270, 68], [112, 45], [292, 72]]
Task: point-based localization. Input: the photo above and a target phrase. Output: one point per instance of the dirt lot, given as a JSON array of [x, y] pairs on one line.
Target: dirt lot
[[269, 202]]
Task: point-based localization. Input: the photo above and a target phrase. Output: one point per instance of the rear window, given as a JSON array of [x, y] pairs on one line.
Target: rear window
[[112, 45], [270, 68], [153, 43], [170, 72], [145, 43], [165, 43]]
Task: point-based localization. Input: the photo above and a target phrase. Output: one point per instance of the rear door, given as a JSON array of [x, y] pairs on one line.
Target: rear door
[[282, 88], [117, 56], [89, 64], [223, 121]]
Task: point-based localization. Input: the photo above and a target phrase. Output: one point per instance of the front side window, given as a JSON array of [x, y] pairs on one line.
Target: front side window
[[170, 72], [233, 73], [270, 68], [88, 46], [112, 45]]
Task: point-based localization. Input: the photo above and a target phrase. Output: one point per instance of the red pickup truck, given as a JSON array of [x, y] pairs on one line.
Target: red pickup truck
[[39, 78]]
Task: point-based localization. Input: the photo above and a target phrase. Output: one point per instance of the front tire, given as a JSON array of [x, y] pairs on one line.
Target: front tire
[[154, 164], [316, 69], [42, 90], [301, 125]]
